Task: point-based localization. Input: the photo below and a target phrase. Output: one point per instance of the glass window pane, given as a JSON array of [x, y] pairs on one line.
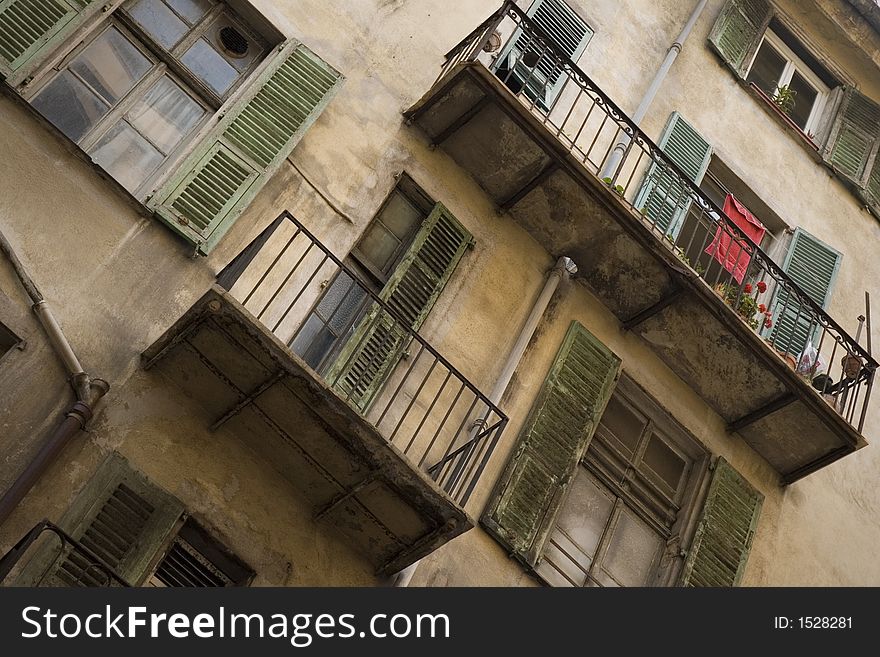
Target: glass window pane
[[70, 105], [379, 246], [668, 465], [562, 564], [400, 216], [207, 65], [767, 69], [632, 551], [341, 303], [159, 22], [191, 10], [623, 424], [306, 335], [127, 156], [111, 65], [586, 512], [165, 114], [804, 99], [232, 42]]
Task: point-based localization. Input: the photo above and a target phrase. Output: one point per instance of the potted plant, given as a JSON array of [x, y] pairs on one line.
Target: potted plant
[[755, 314]]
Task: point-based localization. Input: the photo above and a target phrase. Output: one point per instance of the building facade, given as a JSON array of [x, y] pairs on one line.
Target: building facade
[[565, 292]]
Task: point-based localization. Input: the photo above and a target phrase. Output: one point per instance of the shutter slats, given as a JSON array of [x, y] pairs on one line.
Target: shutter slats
[[663, 195], [813, 266], [724, 536], [738, 30], [569, 33], [554, 439], [361, 369], [854, 137], [25, 25], [251, 140]]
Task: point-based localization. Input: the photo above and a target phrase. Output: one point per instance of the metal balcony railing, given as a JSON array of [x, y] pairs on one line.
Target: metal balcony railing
[[417, 400], [66, 561], [609, 145]]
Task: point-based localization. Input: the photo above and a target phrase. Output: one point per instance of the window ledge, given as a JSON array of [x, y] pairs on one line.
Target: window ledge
[[790, 126], [811, 147]]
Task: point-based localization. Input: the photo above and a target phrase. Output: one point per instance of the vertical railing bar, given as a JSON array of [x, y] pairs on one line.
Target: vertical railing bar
[[300, 293]]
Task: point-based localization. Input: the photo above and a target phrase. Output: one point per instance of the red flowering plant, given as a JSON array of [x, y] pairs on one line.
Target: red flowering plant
[[753, 313]]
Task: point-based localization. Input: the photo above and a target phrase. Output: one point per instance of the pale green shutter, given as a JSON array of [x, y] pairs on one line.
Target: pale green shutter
[[738, 31], [556, 435], [30, 29], [121, 517], [216, 182], [813, 265], [851, 148], [721, 546], [872, 191], [570, 34], [379, 341], [664, 198]]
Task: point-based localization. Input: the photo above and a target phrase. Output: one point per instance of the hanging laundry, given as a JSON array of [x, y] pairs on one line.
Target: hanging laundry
[[733, 254]]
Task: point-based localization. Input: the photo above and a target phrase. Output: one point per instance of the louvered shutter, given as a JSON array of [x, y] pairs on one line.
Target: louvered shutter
[[738, 31], [569, 33], [813, 265], [664, 198], [872, 190], [557, 433], [30, 29], [720, 548], [378, 342], [216, 182], [120, 517], [851, 148]]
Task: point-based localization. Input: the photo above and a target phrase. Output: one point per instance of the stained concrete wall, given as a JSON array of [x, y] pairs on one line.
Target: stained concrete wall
[[117, 279]]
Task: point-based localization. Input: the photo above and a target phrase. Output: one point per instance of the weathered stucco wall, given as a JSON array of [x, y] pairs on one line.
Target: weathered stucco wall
[[117, 280]]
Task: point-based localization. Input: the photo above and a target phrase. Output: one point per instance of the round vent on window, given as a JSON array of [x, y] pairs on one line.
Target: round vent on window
[[234, 42]]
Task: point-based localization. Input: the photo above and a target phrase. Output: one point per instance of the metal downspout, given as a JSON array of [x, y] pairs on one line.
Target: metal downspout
[[620, 147], [554, 276], [88, 391]]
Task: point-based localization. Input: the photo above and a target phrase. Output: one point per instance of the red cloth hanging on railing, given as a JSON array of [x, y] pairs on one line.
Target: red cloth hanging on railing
[[734, 256]]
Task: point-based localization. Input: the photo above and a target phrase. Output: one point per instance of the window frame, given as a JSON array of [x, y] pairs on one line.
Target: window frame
[[793, 63], [163, 63], [694, 486], [370, 275]]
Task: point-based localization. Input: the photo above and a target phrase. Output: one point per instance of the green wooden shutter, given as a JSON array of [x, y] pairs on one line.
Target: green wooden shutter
[[813, 265], [378, 342], [738, 31], [663, 198], [216, 182], [569, 33], [31, 29], [556, 435], [720, 548], [872, 190], [121, 517], [851, 148]]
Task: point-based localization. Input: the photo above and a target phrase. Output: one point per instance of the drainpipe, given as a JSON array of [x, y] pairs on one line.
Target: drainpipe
[[620, 147], [564, 266], [88, 391]]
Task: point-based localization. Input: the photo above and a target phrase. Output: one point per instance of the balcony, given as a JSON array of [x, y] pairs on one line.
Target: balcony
[[46, 543], [561, 159], [387, 444]]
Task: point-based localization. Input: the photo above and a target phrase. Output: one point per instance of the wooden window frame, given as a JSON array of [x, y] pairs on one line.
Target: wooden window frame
[[163, 62], [370, 274], [694, 488], [795, 64]]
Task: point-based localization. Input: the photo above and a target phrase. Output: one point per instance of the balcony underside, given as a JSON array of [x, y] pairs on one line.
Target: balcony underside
[[472, 116], [224, 359]]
